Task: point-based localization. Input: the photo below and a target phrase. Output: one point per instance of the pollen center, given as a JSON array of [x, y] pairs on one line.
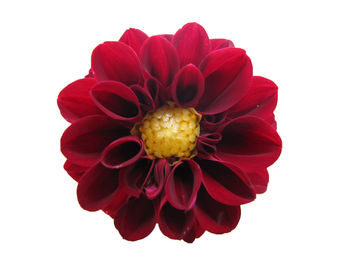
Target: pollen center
[[170, 131]]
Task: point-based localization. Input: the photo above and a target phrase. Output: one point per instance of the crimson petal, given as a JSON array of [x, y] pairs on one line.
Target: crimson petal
[[188, 86], [117, 101], [97, 187], [220, 43], [84, 141], [204, 148], [155, 183], [211, 123], [122, 152], [136, 219], [159, 59], [260, 101], [228, 75], [213, 216], [195, 232], [133, 38], [225, 184], [174, 223], [210, 137], [134, 176], [144, 97], [116, 61], [249, 142], [74, 170], [153, 87], [74, 101], [168, 37], [259, 179], [192, 44], [183, 183]]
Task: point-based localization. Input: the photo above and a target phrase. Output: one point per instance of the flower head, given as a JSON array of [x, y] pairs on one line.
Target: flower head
[[169, 129]]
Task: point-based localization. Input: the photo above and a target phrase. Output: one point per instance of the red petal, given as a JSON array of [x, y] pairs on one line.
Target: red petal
[[174, 223], [116, 61], [213, 216], [212, 123], [136, 219], [97, 187], [249, 142], [117, 101], [205, 148], [195, 232], [188, 86], [74, 170], [144, 97], [74, 101], [90, 74], [155, 183], [153, 86], [192, 44], [259, 179], [220, 43], [122, 152], [228, 74], [133, 38], [83, 142], [183, 183], [224, 184], [168, 37], [133, 177], [260, 100], [159, 59], [210, 137]]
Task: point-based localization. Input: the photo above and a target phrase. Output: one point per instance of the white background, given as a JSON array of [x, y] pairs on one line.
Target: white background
[[301, 45]]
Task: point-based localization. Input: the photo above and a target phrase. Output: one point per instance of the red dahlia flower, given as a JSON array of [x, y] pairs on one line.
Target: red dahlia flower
[[169, 129]]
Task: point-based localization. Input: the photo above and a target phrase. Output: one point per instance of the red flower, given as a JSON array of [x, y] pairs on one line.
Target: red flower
[[170, 129]]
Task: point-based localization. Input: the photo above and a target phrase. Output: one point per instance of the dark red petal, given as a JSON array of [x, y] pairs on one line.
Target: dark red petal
[[122, 152], [84, 141], [213, 216], [228, 75], [183, 183], [90, 74], [97, 187], [174, 223], [195, 232], [74, 170], [259, 179], [133, 38], [210, 137], [74, 101], [144, 97], [116, 100], [224, 184], [116, 61], [153, 87], [192, 44], [159, 59], [188, 86], [249, 142], [169, 37], [205, 148], [133, 177], [220, 43], [260, 100], [155, 182], [136, 219], [213, 123]]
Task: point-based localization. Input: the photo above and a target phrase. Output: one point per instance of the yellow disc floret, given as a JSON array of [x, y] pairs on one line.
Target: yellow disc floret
[[170, 131]]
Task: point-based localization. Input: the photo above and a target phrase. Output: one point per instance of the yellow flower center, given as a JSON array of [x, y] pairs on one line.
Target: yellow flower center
[[170, 131]]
